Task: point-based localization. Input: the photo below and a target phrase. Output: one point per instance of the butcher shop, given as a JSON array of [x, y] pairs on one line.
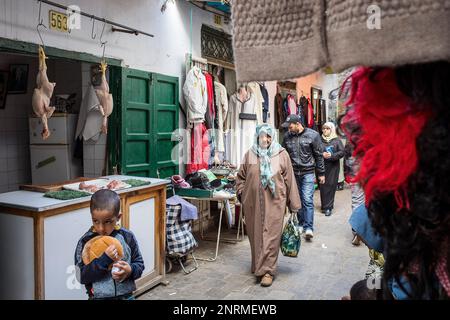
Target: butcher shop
[[89, 100]]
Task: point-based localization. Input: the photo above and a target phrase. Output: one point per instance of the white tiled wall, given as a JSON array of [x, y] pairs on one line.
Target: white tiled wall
[[93, 151], [14, 139]]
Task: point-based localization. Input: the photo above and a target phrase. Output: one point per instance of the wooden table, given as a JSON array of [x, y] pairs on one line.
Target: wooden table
[[38, 237]]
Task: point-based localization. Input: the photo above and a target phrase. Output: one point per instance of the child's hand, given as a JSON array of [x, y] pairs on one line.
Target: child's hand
[[124, 271], [111, 252]]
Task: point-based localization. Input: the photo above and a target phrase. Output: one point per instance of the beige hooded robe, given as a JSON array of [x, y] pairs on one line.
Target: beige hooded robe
[[264, 212]]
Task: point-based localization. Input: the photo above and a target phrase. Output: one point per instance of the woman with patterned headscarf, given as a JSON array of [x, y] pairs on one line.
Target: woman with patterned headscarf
[[265, 185], [333, 152]]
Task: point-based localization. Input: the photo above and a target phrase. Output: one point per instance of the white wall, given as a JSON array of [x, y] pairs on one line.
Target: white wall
[[165, 53]]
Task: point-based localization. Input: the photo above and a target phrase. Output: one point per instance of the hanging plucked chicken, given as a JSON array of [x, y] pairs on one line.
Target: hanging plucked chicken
[[42, 95], [105, 98]]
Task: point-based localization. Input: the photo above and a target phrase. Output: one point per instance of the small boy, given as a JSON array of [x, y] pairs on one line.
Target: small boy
[[99, 280]]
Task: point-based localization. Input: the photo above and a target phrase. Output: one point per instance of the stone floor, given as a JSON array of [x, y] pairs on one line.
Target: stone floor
[[325, 268]]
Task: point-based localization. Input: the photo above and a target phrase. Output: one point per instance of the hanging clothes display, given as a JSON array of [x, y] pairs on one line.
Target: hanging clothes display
[[221, 100], [265, 105], [256, 90], [242, 121], [195, 92]]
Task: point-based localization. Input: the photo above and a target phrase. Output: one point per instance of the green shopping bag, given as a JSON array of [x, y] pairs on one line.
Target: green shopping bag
[[290, 239]]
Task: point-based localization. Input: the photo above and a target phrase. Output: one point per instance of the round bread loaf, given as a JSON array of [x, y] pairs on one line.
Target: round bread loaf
[[95, 247]]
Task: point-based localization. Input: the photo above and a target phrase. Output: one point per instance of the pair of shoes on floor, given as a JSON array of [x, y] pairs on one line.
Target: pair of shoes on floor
[[309, 234], [328, 212], [266, 280]]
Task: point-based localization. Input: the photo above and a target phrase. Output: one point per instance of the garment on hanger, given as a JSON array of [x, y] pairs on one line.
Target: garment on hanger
[[310, 123], [291, 104], [200, 150], [210, 111], [196, 95], [279, 111], [265, 105], [256, 90], [222, 110], [307, 111], [242, 123]]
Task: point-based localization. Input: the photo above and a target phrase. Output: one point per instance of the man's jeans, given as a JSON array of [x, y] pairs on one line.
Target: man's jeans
[[305, 215]]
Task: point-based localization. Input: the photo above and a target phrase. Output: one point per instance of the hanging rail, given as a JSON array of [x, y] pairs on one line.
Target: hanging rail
[[131, 30]]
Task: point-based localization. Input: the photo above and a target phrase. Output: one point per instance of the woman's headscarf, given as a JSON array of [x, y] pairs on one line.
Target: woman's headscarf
[[332, 131], [264, 155]]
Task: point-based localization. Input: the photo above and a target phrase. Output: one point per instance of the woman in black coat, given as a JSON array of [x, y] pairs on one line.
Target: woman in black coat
[[333, 151]]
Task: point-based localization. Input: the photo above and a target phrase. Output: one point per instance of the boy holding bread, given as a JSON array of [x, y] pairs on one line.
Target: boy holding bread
[[107, 257]]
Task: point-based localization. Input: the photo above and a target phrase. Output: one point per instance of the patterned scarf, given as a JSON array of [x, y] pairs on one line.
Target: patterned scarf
[[264, 155]]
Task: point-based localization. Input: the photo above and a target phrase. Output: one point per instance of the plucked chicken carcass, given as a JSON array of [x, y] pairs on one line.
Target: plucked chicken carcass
[[105, 98], [42, 95]]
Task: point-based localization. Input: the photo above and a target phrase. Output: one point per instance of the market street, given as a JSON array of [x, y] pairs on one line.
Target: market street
[[326, 268]]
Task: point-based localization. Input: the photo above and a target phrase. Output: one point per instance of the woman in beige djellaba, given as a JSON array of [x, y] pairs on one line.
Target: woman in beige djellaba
[[265, 185]]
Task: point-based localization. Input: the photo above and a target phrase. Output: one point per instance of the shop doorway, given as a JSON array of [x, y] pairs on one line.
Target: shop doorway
[[25, 158]]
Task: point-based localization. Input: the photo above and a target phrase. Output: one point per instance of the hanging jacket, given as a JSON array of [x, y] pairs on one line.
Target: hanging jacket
[[210, 114], [196, 95], [279, 113], [265, 104]]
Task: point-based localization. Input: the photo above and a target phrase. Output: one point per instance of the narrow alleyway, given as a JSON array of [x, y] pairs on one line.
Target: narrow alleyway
[[325, 268]]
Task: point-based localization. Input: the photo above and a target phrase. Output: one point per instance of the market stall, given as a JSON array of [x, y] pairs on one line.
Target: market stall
[[38, 235]]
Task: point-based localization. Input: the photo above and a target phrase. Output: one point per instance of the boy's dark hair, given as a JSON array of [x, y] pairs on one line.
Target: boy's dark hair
[[106, 199], [360, 291]]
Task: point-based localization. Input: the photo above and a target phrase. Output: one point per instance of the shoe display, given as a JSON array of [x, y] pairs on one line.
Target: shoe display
[[309, 234], [266, 280]]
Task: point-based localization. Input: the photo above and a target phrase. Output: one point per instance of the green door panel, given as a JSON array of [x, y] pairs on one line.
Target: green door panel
[[142, 123], [165, 100]]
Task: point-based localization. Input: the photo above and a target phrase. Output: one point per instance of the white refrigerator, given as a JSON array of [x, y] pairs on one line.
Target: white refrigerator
[[53, 160]]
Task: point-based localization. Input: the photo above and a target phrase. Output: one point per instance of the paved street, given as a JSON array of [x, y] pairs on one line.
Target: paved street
[[325, 268]]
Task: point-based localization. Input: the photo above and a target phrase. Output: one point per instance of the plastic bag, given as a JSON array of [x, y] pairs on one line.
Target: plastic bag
[[290, 239]]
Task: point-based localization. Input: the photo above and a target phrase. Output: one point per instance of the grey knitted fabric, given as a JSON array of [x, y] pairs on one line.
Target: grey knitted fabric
[[284, 39]]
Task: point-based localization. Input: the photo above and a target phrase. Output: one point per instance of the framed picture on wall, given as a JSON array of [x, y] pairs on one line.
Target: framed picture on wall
[[18, 78], [3, 88]]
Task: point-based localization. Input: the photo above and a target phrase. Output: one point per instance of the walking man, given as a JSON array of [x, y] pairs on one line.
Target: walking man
[[305, 149]]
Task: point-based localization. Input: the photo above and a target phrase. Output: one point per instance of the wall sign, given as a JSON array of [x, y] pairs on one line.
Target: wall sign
[[217, 19], [57, 21]]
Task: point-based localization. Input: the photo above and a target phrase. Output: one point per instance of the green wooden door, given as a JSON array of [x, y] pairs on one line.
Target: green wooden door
[[165, 102], [144, 117]]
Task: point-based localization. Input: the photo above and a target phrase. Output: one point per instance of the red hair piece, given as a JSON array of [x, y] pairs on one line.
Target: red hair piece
[[390, 126]]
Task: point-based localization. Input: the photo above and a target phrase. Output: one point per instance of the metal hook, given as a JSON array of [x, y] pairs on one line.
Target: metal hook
[[103, 43], [93, 36], [40, 24]]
